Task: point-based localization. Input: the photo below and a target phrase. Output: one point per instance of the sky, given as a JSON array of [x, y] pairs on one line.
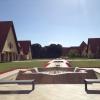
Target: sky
[[65, 22]]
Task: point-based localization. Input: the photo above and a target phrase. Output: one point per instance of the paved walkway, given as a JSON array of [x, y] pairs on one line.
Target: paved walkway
[[48, 92]]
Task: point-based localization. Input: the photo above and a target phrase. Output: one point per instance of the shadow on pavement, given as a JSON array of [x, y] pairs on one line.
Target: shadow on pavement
[[15, 91], [93, 91]]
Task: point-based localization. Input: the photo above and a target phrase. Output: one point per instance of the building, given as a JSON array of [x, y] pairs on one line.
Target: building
[[83, 49], [93, 48], [25, 50], [8, 42], [65, 51], [75, 50], [71, 51]]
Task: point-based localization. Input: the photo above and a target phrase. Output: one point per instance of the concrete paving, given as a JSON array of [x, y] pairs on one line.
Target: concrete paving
[[48, 92]]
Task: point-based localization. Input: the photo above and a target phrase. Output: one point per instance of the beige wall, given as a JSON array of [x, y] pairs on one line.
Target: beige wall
[[90, 55], [29, 55], [84, 53], [10, 39]]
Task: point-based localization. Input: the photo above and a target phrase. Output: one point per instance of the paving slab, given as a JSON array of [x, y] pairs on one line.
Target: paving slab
[[49, 92]]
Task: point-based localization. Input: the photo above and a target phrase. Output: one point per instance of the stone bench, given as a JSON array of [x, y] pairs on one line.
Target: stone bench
[[18, 82], [89, 81]]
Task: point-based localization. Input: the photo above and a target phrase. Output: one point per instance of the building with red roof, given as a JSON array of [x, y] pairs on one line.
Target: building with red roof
[[68, 51], [8, 42], [78, 50], [11, 49], [83, 49], [93, 48], [25, 50], [65, 51]]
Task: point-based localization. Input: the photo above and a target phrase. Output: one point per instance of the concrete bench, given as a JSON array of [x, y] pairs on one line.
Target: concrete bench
[[87, 81], [18, 82]]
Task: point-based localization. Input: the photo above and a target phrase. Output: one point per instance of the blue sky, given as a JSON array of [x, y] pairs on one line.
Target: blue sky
[[67, 22]]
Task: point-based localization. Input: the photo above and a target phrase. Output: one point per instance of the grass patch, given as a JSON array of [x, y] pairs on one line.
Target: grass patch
[[41, 63], [91, 63], [22, 64]]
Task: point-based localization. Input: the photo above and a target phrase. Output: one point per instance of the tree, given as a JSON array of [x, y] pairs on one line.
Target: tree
[[54, 51], [44, 52], [36, 50], [51, 51]]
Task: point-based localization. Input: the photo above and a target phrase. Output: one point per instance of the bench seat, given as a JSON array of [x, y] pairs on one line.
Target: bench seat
[[18, 82], [87, 81]]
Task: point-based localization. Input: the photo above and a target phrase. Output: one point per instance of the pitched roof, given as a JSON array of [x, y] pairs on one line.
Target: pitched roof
[[4, 29], [24, 46], [82, 46], [94, 44]]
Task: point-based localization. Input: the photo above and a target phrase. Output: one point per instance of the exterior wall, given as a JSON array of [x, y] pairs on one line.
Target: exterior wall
[[97, 53], [26, 56], [10, 50], [90, 54], [3, 57], [10, 39], [21, 55], [0, 57], [29, 55], [84, 53]]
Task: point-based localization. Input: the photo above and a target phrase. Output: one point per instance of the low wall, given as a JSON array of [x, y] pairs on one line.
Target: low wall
[[56, 68], [66, 78]]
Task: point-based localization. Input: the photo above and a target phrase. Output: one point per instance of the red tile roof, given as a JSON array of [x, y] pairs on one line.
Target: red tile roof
[[94, 44], [24, 46], [4, 29]]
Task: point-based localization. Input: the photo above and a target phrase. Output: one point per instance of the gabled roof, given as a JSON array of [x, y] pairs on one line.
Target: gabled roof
[[94, 44], [24, 46], [82, 46], [4, 29]]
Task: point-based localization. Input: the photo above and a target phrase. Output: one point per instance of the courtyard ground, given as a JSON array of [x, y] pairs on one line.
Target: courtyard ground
[[48, 92]]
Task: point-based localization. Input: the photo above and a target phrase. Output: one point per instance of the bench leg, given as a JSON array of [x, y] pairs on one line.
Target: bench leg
[[33, 86], [86, 86]]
